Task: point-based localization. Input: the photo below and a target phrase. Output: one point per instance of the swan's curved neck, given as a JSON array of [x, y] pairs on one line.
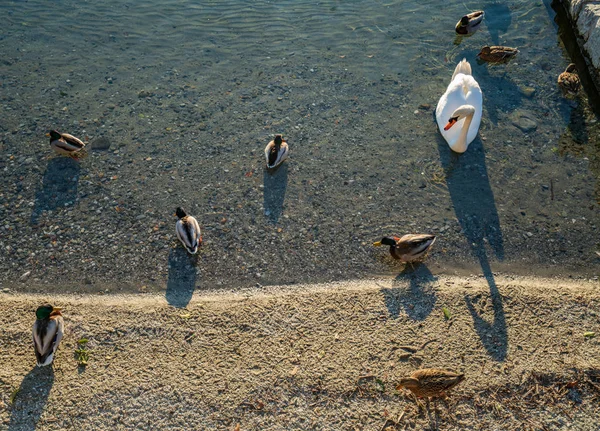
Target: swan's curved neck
[[460, 146]]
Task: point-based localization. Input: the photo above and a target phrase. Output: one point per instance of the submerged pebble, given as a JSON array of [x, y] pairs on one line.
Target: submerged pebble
[[101, 143]]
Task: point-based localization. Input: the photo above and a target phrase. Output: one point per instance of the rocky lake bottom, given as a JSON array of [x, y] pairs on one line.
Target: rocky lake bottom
[[177, 103]]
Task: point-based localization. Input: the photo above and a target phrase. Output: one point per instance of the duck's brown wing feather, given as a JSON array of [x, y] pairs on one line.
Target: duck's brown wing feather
[[412, 242], [73, 141]]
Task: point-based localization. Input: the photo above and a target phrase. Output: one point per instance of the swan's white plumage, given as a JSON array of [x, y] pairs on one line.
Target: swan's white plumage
[[463, 90]]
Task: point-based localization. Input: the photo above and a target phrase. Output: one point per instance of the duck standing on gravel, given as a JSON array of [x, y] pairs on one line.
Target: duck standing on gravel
[[430, 382], [409, 248], [47, 333], [470, 23], [65, 144], [276, 152], [569, 81], [188, 231]]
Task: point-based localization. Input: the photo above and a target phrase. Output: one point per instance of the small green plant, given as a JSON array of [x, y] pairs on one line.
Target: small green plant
[[13, 396], [446, 313], [82, 354]]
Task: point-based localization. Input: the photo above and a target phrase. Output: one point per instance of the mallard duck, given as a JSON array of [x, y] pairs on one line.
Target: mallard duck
[[409, 248], [276, 152], [188, 231], [470, 23], [430, 382], [497, 54], [569, 81], [47, 333], [66, 144], [458, 112]]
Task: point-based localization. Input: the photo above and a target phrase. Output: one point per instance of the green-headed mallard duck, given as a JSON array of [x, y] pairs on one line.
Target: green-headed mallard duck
[[409, 248], [47, 333], [470, 23], [569, 81], [276, 152], [66, 144], [188, 231], [430, 382], [497, 54]]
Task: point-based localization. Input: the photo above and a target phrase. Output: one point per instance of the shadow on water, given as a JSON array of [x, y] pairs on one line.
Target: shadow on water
[[59, 186], [31, 399], [275, 185], [182, 277], [418, 299], [475, 209], [497, 19], [500, 93]]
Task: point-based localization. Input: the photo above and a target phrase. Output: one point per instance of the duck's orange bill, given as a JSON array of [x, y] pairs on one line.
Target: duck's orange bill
[[451, 123]]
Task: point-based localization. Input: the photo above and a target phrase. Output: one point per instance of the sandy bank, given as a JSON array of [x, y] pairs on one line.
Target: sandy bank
[[322, 357]]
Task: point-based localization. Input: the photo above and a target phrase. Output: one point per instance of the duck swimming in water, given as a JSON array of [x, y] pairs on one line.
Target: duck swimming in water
[[188, 231], [276, 152], [497, 54], [569, 81], [470, 23], [408, 248], [47, 333]]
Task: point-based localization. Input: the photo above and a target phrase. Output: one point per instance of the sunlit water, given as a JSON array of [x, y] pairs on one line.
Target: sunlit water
[[189, 93]]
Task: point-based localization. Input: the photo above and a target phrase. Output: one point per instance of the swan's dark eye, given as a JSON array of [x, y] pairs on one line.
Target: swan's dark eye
[[453, 119]]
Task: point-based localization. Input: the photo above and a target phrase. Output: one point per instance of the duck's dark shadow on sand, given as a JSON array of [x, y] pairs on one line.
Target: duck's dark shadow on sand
[[417, 299], [30, 401], [475, 209], [275, 184], [181, 281]]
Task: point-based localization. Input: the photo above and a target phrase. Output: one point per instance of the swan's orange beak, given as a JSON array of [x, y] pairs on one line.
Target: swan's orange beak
[[451, 123]]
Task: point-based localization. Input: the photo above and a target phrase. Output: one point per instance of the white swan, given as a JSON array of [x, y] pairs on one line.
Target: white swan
[[458, 112]]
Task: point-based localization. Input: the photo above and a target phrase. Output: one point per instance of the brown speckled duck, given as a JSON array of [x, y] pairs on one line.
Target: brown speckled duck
[[430, 382], [470, 23], [569, 81], [497, 54], [66, 144], [408, 248]]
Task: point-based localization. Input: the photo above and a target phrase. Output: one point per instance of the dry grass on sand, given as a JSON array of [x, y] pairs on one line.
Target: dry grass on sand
[[321, 357]]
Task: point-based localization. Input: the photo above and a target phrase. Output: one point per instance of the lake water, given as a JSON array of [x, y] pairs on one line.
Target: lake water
[[189, 93]]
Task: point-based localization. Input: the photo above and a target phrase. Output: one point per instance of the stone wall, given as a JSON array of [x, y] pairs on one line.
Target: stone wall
[[585, 16]]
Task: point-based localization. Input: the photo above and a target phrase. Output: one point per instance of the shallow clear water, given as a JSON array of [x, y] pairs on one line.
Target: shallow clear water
[[189, 94]]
